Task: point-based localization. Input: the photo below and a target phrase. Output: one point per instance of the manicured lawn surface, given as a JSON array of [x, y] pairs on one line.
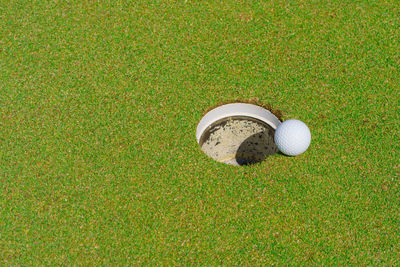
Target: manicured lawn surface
[[98, 109]]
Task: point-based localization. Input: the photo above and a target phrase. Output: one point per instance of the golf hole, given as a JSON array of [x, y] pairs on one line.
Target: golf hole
[[238, 134]]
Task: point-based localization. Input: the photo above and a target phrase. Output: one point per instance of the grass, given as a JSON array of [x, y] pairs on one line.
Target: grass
[[99, 103]]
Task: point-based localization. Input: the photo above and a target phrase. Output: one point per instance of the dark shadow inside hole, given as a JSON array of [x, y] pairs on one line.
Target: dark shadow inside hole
[[256, 148]]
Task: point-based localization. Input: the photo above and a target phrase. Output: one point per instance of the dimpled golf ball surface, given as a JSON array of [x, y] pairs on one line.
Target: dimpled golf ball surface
[[292, 137]]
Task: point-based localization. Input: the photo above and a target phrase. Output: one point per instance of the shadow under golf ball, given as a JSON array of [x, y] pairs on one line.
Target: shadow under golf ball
[[256, 148]]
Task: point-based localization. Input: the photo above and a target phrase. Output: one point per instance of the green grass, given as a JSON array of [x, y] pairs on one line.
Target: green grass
[[98, 108]]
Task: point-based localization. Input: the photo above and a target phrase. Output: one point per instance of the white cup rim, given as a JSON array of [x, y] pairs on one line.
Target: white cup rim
[[236, 109]]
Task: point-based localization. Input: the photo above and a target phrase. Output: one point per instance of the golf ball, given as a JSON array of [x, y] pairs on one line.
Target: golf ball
[[292, 137]]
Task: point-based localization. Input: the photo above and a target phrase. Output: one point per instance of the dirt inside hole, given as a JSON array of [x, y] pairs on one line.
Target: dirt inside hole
[[238, 141]]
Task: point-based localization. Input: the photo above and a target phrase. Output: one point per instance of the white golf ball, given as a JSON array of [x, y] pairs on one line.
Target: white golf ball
[[292, 137]]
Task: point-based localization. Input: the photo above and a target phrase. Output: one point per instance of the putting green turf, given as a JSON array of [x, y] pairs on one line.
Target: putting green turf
[[98, 108]]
